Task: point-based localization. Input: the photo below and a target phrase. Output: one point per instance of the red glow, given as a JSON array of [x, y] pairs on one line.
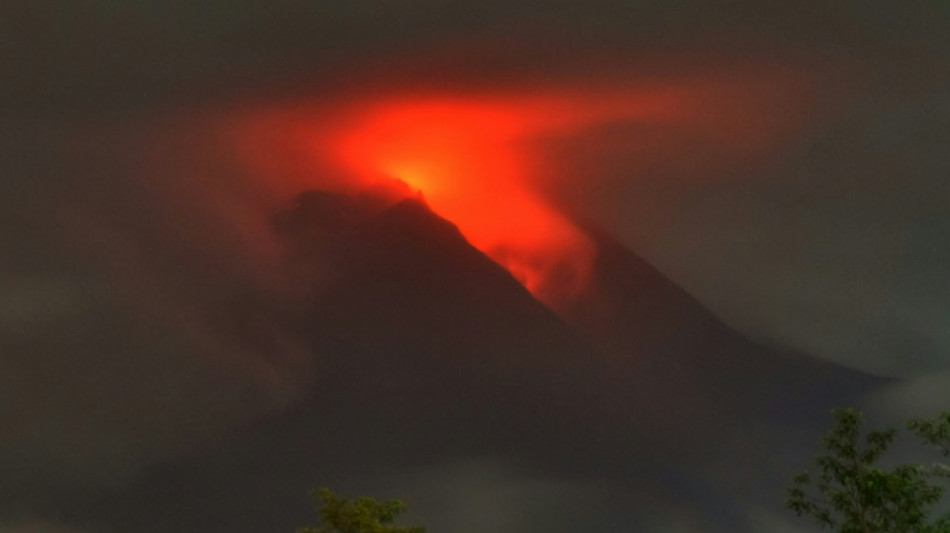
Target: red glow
[[475, 161], [469, 158], [465, 159]]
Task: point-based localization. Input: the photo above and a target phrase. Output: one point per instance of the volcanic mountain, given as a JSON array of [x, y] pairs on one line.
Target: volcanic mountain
[[428, 355]]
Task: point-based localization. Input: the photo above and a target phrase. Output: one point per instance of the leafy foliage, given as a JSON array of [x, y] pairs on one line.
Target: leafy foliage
[[936, 433], [362, 515], [853, 495]]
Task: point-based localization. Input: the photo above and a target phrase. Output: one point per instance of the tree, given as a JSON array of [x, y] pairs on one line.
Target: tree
[[362, 515], [854, 495], [936, 433]]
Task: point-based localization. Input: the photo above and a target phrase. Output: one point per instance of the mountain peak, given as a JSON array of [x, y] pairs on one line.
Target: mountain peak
[[413, 218]]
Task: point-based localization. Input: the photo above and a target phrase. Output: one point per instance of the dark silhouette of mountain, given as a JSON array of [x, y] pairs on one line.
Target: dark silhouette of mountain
[[427, 353], [650, 326]]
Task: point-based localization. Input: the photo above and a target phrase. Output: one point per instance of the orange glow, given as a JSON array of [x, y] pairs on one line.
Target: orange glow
[[476, 160], [466, 160], [470, 160]]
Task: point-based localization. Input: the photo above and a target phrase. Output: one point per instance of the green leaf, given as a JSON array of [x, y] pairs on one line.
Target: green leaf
[[855, 495]]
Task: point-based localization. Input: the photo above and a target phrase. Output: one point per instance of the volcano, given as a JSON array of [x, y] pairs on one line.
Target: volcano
[[429, 357]]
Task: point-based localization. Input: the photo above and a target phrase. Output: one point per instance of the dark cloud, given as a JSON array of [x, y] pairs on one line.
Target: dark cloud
[[832, 248], [104, 57], [133, 327]]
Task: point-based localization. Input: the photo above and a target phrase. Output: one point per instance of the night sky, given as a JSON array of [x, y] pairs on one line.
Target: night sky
[[186, 344]]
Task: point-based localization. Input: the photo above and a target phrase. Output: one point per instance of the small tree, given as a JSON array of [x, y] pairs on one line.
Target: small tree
[[362, 515], [853, 495]]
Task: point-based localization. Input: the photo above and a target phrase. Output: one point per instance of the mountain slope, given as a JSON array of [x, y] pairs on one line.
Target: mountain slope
[[635, 314], [429, 354]]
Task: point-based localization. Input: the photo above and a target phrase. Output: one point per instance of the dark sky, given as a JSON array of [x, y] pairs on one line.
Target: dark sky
[[123, 223]]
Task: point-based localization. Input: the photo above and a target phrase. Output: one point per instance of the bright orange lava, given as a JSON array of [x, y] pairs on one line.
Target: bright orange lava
[[465, 158]]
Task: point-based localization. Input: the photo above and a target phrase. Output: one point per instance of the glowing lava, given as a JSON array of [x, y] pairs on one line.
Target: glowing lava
[[468, 162]]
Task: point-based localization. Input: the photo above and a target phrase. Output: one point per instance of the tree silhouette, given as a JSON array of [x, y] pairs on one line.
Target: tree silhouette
[[852, 494], [936, 433], [362, 515]]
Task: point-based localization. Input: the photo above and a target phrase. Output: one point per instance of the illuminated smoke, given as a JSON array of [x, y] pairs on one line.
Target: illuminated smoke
[[474, 157]]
